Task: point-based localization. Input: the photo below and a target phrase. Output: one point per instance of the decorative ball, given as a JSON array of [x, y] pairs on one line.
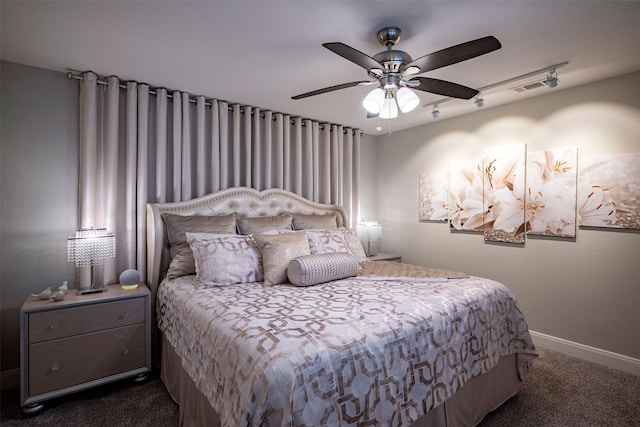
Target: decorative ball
[[130, 277]]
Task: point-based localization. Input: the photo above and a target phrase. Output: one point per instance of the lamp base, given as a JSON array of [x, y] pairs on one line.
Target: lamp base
[[91, 290]]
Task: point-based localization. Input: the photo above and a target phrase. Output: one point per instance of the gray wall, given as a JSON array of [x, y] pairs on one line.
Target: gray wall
[[38, 188], [586, 291]]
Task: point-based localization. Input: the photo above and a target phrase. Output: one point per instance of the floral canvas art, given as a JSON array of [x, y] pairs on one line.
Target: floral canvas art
[[466, 212], [433, 196], [504, 194], [609, 191], [551, 189], [510, 193]]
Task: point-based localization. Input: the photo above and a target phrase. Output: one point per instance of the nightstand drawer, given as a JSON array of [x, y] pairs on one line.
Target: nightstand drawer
[[66, 322], [65, 362]]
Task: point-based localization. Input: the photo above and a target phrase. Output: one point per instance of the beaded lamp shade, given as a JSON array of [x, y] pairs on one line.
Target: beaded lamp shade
[[90, 247]]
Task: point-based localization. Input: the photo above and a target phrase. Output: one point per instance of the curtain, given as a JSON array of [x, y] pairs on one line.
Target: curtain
[[140, 145]]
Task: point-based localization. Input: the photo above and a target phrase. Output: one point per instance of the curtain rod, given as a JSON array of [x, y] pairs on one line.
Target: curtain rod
[[102, 80]]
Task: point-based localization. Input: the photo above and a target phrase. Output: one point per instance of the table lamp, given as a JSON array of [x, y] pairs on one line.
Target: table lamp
[[90, 247], [372, 231]]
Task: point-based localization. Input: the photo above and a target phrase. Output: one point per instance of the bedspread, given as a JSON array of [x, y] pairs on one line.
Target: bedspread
[[368, 350]]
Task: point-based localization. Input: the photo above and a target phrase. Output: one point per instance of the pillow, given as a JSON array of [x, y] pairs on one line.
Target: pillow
[[277, 251], [260, 224], [177, 225], [338, 240], [313, 269], [305, 222], [355, 245], [225, 259]]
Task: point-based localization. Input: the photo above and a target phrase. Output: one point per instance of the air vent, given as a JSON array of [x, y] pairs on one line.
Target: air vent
[[529, 86]]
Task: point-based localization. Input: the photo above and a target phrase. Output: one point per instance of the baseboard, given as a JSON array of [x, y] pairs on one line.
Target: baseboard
[[10, 379], [592, 354]]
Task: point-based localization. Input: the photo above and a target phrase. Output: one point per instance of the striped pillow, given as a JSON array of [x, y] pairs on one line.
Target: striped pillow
[[310, 270]]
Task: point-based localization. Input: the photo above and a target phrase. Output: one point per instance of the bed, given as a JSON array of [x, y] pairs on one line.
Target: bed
[[336, 341]]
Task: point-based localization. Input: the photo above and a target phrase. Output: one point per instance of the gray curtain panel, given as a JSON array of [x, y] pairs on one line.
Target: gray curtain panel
[[140, 145]]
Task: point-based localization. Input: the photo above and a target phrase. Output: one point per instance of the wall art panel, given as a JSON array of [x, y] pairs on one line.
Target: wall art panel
[[466, 211], [609, 191], [504, 194], [551, 191], [433, 196]]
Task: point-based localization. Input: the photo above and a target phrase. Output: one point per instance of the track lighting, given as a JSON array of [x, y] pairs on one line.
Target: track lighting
[[479, 100], [552, 79]]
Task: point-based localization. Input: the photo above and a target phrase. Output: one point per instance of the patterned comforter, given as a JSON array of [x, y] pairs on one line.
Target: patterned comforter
[[382, 348]]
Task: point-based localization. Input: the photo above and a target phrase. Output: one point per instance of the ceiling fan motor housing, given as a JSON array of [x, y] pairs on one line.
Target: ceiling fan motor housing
[[389, 35], [392, 59]]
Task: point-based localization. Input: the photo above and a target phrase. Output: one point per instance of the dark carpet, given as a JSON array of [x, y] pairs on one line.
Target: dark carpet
[[559, 391]]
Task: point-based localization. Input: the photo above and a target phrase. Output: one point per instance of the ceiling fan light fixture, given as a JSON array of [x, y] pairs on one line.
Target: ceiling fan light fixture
[[373, 101], [407, 99], [389, 108]]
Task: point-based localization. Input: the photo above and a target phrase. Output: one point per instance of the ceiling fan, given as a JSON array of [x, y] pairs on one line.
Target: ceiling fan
[[394, 72]]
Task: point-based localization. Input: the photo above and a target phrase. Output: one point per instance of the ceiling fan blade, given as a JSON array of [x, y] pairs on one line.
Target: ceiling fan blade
[[444, 88], [455, 54], [353, 55], [330, 89]]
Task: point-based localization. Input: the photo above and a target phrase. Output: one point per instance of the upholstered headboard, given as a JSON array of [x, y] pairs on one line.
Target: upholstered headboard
[[246, 202]]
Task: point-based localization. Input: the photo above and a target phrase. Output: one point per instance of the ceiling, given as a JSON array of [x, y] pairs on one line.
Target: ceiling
[[261, 53]]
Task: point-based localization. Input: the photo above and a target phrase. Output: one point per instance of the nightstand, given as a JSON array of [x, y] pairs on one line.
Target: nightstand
[[82, 341], [381, 256]]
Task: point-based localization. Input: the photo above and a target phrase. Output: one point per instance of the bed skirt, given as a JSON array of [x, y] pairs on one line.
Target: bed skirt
[[467, 407]]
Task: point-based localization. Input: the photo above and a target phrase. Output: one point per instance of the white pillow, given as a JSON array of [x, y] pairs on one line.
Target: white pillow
[[225, 259], [336, 240]]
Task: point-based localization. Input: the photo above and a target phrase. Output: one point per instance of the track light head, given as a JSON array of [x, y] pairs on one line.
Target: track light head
[[479, 100], [552, 79], [435, 113]]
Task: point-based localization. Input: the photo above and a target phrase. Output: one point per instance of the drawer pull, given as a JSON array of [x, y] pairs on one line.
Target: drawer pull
[[55, 367], [125, 350], [124, 315], [54, 326]]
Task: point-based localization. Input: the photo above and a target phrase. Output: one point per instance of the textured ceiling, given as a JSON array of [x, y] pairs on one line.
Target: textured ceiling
[[263, 52]]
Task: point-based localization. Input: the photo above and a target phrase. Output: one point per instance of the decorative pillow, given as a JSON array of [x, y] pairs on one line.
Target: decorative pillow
[[355, 245], [260, 224], [338, 240], [177, 225], [306, 222], [225, 259], [277, 251], [314, 269]]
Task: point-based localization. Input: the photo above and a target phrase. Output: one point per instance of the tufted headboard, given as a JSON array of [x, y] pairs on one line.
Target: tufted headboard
[[246, 202]]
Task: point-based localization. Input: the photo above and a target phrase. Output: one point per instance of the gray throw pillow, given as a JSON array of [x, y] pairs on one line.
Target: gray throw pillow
[[182, 262], [314, 221], [262, 224]]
